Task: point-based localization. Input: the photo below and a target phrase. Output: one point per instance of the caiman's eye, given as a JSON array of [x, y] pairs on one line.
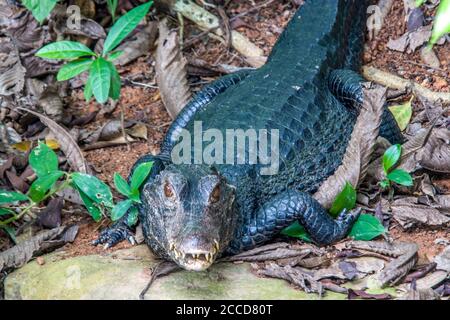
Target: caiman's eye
[[168, 192], [215, 195]]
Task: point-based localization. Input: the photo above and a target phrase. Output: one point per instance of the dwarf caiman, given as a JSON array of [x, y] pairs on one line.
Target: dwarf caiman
[[308, 90]]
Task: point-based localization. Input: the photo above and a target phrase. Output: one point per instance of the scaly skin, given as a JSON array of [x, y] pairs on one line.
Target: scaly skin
[[192, 214]]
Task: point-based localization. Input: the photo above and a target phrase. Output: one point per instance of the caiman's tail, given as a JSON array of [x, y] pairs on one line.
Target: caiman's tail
[[334, 28]]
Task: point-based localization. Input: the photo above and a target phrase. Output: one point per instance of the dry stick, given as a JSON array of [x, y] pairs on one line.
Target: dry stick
[[253, 9], [394, 82], [161, 269], [122, 126], [206, 21]]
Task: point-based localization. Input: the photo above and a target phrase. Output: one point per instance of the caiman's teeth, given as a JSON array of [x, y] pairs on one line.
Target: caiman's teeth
[[209, 257], [216, 245], [171, 246]]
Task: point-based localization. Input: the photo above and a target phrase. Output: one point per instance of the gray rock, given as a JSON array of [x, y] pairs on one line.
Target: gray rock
[[124, 273]]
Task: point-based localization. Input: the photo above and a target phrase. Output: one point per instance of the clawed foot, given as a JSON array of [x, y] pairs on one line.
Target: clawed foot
[[346, 219], [113, 235]]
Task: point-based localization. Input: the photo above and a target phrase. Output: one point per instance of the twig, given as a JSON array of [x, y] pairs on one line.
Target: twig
[[394, 82], [122, 126], [163, 268], [255, 8]]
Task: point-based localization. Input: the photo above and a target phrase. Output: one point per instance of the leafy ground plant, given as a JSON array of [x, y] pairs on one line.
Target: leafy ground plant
[[40, 8], [104, 80], [441, 24], [399, 176], [96, 195], [366, 228]]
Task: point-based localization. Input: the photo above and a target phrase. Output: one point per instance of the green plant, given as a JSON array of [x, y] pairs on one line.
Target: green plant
[[367, 227], [95, 194], [112, 8], [104, 80], [441, 24], [40, 8], [399, 176], [131, 191]]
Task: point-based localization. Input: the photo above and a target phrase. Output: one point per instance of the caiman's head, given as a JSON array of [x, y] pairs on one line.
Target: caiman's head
[[189, 214]]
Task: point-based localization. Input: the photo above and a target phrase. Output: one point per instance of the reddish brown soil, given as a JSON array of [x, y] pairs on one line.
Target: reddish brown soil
[[263, 27], [407, 65]]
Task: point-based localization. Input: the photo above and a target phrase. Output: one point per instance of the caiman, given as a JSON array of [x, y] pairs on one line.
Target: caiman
[[310, 91]]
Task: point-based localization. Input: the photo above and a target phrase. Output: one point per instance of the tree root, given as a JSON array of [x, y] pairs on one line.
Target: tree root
[[394, 82]]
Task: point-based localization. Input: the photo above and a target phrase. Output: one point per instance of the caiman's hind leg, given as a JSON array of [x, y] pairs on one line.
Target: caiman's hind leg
[[120, 230], [283, 210], [346, 87]]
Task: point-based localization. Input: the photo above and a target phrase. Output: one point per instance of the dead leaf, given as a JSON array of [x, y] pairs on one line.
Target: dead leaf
[[362, 143], [408, 213], [138, 44], [68, 145], [435, 156], [443, 260], [432, 280], [51, 102], [17, 182], [20, 254], [429, 57], [354, 294], [411, 40], [171, 73], [50, 217], [12, 73], [139, 130]]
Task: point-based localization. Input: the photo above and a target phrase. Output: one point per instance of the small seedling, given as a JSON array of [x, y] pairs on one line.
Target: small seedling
[[398, 176], [95, 194], [40, 8], [131, 191], [104, 80]]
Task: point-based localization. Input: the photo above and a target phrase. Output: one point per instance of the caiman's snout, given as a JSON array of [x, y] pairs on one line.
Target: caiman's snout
[[194, 253]]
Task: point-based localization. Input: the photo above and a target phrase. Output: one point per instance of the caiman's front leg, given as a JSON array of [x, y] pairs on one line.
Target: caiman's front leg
[[283, 210]]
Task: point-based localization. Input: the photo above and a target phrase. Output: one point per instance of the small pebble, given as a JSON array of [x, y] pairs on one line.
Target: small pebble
[[40, 261]]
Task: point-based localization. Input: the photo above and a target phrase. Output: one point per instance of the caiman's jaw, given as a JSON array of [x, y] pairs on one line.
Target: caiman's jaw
[[194, 259]]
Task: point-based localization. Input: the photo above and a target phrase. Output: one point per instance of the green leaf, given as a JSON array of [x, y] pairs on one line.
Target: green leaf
[[401, 177], [441, 24], [12, 196], [114, 55], [88, 89], [91, 207], [100, 79], [391, 157], [95, 189], [132, 216], [112, 8], [64, 50], [115, 83], [5, 211], [40, 8], [296, 230], [124, 26], [384, 183], [11, 233], [366, 228], [43, 160], [73, 68], [41, 185], [402, 114], [140, 174], [420, 2], [345, 200], [121, 185], [120, 209]]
